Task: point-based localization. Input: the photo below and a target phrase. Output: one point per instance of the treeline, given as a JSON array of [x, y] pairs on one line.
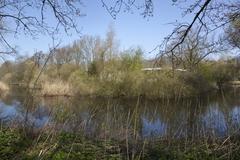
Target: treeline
[[96, 66]]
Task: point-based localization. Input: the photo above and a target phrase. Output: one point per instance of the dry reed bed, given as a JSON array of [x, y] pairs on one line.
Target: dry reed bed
[[3, 88], [56, 88]]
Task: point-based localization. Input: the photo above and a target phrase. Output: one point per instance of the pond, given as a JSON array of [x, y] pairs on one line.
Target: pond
[[217, 115]]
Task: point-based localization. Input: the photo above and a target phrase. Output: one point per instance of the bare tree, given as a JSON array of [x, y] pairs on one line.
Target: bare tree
[[208, 16], [77, 53], [193, 50], [33, 17], [116, 6], [38, 58], [110, 41], [233, 31], [18, 16]]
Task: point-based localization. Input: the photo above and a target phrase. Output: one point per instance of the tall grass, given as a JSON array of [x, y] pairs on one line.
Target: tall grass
[[56, 88], [3, 88]]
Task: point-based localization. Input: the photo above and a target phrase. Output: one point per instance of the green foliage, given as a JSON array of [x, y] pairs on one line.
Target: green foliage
[[123, 77], [197, 82], [11, 144], [223, 72], [219, 72], [24, 72], [51, 71], [63, 145], [95, 68], [132, 60], [206, 71], [74, 147], [8, 140], [82, 83], [188, 151], [66, 70], [163, 85]]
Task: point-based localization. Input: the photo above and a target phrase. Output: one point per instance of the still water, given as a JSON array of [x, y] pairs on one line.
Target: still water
[[210, 116]]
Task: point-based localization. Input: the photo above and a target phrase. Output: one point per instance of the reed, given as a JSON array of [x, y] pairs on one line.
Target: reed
[[56, 88], [3, 88]]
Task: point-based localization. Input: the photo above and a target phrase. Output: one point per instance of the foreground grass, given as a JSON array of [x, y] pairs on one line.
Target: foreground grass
[[15, 145], [57, 147]]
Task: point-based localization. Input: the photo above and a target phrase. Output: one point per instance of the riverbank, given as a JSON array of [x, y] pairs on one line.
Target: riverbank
[[150, 86], [61, 146], [162, 90], [124, 76], [168, 90]]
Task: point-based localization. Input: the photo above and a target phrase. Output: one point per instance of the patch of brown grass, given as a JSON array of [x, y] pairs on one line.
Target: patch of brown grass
[[56, 88], [3, 88]]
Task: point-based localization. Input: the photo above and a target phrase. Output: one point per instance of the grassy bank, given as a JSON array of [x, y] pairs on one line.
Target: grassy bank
[[61, 146]]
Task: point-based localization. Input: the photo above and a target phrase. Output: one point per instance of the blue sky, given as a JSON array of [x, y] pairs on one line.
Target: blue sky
[[131, 28]]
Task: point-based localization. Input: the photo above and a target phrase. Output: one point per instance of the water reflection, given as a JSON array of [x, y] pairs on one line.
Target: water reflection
[[214, 121], [216, 116], [7, 112], [235, 113], [153, 128], [16, 114]]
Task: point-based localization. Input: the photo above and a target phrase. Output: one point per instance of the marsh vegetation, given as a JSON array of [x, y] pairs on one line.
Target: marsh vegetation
[[107, 128], [96, 67], [91, 98]]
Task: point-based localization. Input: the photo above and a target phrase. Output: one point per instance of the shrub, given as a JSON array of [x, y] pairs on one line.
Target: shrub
[[11, 144], [66, 70], [162, 85], [222, 73], [82, 84], [196, 82]]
